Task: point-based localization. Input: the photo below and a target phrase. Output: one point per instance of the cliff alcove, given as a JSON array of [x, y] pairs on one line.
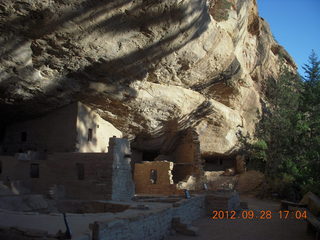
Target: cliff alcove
[[142, 63]]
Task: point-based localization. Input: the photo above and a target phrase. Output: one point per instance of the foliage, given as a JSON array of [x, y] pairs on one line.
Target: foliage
[[287, 145]]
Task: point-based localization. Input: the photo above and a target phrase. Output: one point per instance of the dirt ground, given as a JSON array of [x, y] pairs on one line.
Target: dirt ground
[[256, 229]]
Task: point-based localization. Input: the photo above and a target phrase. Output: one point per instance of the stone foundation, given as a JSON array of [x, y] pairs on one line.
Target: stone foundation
[[153, 225]]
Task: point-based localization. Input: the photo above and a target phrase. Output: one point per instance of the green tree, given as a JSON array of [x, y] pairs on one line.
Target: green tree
[[312, 70], [287, 141], [281, 129], [311, 82], [311, 109]]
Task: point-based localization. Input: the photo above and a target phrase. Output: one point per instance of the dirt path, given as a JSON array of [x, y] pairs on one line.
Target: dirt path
[[256, 229]]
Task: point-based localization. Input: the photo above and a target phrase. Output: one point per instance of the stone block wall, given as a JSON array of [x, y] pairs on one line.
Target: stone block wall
[[63, 170], [60, 171], [63, 130], [189, 210], [151, 225], [54, 132], [188, 161], [122, 182], [76, 175], [145, 226], [164, 184]]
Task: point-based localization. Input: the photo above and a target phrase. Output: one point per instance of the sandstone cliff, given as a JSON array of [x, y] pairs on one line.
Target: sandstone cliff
[[145, 63]]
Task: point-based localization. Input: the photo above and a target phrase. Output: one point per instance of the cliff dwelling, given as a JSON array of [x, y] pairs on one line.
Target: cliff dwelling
[[128, 119], [71, 150], [71, 160], [74, 128], [168, 164], [69, 153]]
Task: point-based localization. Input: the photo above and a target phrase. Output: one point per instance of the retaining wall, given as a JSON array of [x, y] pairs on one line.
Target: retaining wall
[[150, 225]]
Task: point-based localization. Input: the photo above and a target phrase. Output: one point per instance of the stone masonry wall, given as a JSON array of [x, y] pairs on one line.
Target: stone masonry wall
[[188, 161], [59, 171], [189, 210], [53, 132], [122, 181], [164, 183], [153, 225], [76, 175]]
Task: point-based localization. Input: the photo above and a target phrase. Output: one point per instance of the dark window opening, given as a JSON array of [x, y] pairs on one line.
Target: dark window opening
[[80, 171], [23, 136], [149, 155], [153, 176], [90, 134], [34, 170], [219, 163], [0, 167], [181, 171]]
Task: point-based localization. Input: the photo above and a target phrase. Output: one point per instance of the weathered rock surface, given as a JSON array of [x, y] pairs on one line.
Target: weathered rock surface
[[143, 63]]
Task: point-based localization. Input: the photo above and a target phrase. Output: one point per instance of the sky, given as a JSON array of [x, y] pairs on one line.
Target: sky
[[295, 24]]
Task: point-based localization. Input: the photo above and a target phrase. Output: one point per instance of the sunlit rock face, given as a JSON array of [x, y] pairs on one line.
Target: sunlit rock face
[[143, 63]]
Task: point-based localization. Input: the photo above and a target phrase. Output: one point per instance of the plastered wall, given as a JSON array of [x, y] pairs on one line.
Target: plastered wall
[[54, 132], [101, 131], [63, 130], [164, 183]]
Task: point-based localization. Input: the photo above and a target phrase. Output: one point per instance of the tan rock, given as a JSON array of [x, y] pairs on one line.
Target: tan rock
[[143, 63]]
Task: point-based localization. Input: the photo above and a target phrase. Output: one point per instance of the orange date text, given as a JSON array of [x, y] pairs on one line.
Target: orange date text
[[261, 214]]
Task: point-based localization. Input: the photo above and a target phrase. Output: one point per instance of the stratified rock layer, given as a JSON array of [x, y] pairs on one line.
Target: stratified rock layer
[[144, 63]]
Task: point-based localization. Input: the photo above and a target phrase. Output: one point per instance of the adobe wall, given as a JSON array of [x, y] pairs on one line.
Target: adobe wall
[[63, 130], [105, 175], [54, 132], [188, 160], [184, 152], [164, 184], [59, 171], [102, 131]]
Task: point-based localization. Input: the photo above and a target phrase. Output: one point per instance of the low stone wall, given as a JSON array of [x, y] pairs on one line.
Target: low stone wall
[[189, 209], [151, 225], [14, 233]]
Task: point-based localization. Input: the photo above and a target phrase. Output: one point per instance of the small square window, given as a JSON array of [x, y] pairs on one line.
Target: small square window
[[153, 176], [23, 136], [90, 134], [34, 170]]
